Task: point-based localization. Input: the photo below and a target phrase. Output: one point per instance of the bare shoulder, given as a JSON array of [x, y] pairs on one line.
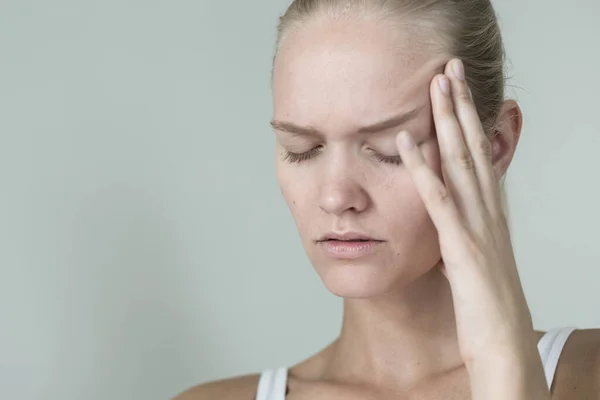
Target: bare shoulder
[[238, 388], [578, 372]]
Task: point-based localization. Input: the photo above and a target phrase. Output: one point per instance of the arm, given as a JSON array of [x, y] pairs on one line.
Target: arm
[[509, 376], [493, 320]]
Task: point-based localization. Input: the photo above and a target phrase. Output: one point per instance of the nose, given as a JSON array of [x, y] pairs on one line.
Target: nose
[[343, 195]]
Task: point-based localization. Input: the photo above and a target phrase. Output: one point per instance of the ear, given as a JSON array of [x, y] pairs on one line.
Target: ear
[[506, 136]]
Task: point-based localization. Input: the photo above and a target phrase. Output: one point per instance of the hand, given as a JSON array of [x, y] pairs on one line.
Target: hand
[[492, 317]]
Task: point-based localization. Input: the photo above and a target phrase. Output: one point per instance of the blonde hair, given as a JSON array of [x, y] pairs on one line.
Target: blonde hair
[[468, 29]]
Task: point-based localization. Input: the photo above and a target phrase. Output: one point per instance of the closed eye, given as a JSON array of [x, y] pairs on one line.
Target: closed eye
[[396, 160], [292, 157], [300, 157]]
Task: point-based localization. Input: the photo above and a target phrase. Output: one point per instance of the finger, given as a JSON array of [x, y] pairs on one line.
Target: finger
[[475, 138], [435, 195], [441, 266], [457, 162]]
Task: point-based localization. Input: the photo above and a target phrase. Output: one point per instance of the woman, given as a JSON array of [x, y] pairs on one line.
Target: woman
[[393, 136]]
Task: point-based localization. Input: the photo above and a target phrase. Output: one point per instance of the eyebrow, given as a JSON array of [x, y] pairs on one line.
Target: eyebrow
[[393, 122]]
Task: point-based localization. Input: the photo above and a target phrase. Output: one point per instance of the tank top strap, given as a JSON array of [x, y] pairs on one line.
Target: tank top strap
[[550, 347], [272, 384]]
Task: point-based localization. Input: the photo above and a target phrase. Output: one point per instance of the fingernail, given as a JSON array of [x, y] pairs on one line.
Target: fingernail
[[406, 140], [459, 70], [444, 84]]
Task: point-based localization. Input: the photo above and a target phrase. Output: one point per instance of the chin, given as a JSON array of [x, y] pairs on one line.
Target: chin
[[356, 281]]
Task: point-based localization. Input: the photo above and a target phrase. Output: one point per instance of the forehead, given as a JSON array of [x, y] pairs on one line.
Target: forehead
[[355, 71]]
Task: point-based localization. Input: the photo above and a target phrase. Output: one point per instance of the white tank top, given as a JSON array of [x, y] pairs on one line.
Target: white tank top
[[273, 382]]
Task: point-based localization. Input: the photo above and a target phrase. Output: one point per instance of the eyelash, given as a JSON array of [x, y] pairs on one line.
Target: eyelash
[[395, 160], [300, 157]]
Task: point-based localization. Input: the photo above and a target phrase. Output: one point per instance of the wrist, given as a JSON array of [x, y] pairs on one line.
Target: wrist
[[508, 376]]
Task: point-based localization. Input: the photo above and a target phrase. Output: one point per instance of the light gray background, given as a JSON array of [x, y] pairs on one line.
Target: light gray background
[[144, 245]]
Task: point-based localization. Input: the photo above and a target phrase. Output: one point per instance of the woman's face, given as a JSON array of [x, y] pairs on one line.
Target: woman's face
[[333, 79]]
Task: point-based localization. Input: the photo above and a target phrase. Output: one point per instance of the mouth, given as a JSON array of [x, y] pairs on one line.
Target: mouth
[[351, 240], [347, 237], [349, 249], [349, 245]]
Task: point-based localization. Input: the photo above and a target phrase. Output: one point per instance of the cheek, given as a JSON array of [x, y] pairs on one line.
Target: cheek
[[412, 234], [403, 206], [409, 225], [288, 192], [297, 193], [293, 188]]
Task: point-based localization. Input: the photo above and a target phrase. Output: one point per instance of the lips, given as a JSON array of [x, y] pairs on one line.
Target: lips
[[349, 246], [353, 240], [348, 236]]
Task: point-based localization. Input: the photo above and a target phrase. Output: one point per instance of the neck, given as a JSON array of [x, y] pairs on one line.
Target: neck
[[399, 339]]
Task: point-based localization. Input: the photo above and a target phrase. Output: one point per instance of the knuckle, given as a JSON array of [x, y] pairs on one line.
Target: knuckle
[[440, 194], [465, 160], [464, 96], [445, 109], [446, 113]]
